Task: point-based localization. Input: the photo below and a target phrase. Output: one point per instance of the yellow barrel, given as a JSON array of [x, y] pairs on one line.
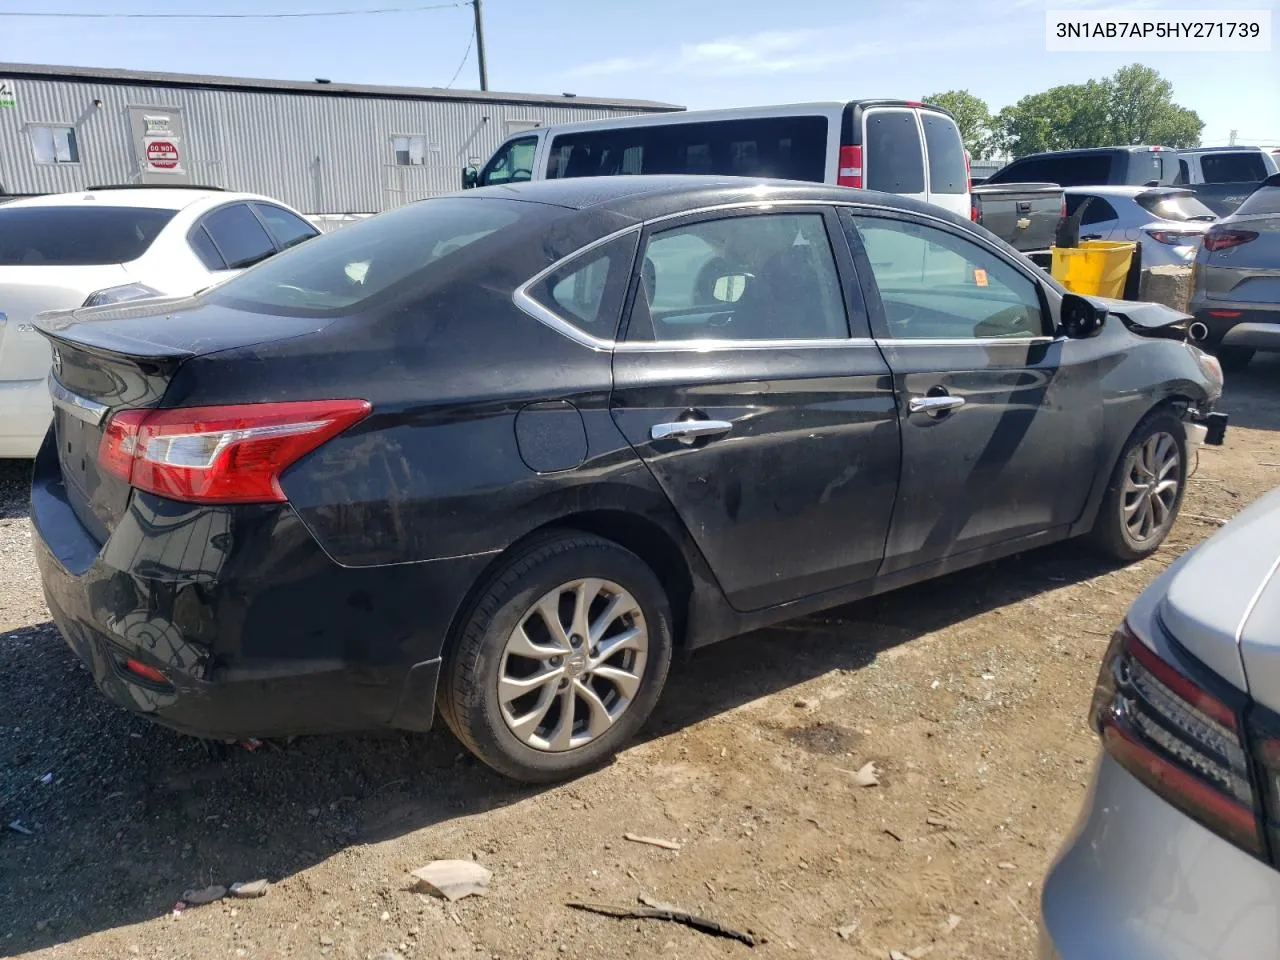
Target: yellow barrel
[[1096, 267]]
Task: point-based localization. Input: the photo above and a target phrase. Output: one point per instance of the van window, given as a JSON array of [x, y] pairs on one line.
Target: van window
[[1239, 167], [947, 172], [893, 157], [513, 163], [790, 148]]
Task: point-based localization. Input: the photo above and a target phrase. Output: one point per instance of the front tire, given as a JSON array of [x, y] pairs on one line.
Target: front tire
[[1146, 488], [561, 660]]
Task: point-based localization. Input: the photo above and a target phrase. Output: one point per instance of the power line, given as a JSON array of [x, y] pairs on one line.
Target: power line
[[464, 60], [234, 16]]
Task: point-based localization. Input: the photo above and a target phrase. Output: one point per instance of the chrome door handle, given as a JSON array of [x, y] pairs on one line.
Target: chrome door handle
[[933, 405], [689, 431]]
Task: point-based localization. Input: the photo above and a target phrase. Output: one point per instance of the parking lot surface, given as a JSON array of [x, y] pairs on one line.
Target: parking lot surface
[[968, 693]]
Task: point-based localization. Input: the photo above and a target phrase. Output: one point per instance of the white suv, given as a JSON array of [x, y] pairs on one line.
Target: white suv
[[106, 245]]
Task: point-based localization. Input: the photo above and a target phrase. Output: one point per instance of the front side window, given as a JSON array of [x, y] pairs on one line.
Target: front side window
[[239, 236], [66, 236], [285, 228], [758, 277], [54, 144], [894, 160], [937, 286], [513, 163]]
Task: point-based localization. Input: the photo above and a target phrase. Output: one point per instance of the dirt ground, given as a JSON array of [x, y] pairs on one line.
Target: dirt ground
[[968, 692]]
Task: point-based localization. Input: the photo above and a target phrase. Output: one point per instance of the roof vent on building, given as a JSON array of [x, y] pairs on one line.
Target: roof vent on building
[[323, 80], [568, 94]]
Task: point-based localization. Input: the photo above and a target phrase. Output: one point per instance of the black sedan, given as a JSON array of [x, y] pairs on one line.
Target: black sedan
[[502, 453]]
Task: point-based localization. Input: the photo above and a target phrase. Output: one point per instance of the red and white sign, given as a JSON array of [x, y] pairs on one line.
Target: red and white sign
[[162, 156]]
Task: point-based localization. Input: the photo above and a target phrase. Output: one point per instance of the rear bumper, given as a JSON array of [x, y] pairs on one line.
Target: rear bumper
[[1253, 326], [25, 414], [1139, 880], [258, 632]]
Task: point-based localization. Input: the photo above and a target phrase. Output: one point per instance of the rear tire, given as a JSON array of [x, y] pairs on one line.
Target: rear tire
[[1146, 488], [561, 660], [1234, 359]]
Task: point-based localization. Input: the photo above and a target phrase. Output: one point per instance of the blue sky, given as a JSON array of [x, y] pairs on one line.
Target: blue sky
[[699, 53]]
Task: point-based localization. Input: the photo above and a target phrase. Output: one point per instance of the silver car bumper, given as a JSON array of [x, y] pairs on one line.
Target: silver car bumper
[[1140, 880]]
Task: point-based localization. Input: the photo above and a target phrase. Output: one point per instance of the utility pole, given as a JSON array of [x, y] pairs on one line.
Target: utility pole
[[484, 70]]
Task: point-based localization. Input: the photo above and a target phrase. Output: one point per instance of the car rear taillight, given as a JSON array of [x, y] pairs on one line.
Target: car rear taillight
[[1172, 237], [224, 454], [850, 172], [1223, 238], [1180, 740]]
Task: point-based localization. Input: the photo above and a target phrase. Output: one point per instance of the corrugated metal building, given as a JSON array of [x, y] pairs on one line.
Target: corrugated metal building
[[323, 148]]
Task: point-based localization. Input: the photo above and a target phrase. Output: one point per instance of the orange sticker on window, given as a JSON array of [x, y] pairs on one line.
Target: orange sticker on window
[[979, 276]]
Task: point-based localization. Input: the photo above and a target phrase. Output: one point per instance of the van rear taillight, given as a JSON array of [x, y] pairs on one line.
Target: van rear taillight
[[1180, 740], [223, 454], [850, 172]]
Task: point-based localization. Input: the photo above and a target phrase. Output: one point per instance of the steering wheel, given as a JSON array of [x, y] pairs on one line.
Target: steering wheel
[[516, 174]]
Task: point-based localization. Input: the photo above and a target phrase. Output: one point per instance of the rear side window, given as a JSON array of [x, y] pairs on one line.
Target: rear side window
[[1232, 167], [1265, 200], [1098, 211], [204, 247], [588, 291], [372, 259], [947, 170], [239, 236], [893, 158], [790, 148], [77, 235], [1081, 171], [286, 229]]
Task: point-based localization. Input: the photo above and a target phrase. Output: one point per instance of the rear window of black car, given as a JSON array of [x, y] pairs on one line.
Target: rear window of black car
[[790, 148], [1264, 201], [77, 236], [343, 271]]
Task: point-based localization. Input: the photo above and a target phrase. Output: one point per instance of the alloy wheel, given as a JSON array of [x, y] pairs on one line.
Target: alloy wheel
[[1153, 473], [573, 665]]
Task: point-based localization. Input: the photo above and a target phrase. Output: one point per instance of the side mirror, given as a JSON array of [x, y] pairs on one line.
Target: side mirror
[[470, 177], [1080, 319]]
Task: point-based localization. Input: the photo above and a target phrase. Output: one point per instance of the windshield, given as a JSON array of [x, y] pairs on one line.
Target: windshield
[[77, 236], [343, 271], [1175, 206]]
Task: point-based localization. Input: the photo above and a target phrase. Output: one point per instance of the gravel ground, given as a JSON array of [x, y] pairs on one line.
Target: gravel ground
[[969, 693]]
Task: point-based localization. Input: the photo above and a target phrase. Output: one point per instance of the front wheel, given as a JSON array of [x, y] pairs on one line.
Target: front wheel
[[1142, 500], [561, 661]]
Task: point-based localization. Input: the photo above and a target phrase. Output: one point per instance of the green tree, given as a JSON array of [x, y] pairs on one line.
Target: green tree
[[1143, 111], [973, 117], [1133, 106]]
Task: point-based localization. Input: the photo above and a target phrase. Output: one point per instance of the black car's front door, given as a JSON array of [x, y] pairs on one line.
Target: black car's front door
[[771, 429], [999, 429]]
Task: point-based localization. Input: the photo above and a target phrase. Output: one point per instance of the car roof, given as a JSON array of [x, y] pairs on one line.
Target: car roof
[[157, 198], [640, 198], [1086, 151]]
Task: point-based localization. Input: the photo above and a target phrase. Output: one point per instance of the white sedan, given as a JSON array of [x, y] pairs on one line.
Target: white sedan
[[1168, 222], [108, 245]]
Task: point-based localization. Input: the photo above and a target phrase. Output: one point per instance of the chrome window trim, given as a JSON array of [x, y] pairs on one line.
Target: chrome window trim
[[566, 328], [82, 408]]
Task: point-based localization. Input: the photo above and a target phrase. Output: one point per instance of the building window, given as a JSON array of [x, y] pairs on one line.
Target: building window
[[54, 144], [410, 151]]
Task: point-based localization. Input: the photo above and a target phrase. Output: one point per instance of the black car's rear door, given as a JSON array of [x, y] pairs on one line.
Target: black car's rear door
[[999, 428], [771, 428]]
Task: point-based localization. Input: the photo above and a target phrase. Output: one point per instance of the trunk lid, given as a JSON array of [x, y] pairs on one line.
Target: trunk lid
[[28, 290], [121, 357], [1223, 603]]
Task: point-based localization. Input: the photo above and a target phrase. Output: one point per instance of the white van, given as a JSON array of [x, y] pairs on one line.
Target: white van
[[897, 146]]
